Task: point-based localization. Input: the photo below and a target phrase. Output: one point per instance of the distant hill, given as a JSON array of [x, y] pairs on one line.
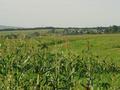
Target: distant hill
[[7, 27]]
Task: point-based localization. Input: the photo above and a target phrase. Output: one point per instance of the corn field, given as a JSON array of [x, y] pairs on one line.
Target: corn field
[[38, 64]]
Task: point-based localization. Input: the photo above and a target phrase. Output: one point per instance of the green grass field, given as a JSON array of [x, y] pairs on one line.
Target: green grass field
[[101, 45], [60, 62]]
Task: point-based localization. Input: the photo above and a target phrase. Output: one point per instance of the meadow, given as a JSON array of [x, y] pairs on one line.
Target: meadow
[[59, 62]]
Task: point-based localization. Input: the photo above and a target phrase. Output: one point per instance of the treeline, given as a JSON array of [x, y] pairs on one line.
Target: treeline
[[96, 30], [73, 30], [23, 29]]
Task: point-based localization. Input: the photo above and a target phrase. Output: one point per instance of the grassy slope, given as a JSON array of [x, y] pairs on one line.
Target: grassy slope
[[101, 45]]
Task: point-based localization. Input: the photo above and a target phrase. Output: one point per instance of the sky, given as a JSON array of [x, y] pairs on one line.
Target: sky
[[59, 13]]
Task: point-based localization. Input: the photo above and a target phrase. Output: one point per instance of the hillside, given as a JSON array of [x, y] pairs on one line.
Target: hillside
[[7, 27]]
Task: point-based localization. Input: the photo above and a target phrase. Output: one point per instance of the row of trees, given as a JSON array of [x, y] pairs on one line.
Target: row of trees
[[96, 30], [73, 31]]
